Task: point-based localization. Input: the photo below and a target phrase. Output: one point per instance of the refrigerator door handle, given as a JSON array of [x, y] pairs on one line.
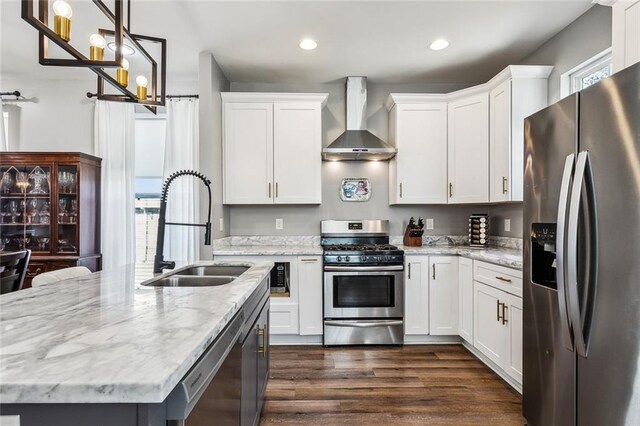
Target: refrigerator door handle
[[561, 226], [582, 174]]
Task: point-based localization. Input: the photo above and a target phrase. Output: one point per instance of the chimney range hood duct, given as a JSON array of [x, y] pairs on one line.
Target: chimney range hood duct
[[357, 143]]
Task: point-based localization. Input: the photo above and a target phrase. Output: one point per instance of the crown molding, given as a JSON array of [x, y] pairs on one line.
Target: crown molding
[[274, 97]]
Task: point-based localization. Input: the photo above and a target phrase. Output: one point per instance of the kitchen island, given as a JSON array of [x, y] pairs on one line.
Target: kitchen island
[[106, 344]]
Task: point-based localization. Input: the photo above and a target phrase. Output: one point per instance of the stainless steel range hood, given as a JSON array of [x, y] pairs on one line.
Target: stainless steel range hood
[[357, 143]]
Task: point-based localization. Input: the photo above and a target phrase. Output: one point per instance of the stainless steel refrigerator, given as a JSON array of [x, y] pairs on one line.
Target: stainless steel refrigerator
[[582, 257]]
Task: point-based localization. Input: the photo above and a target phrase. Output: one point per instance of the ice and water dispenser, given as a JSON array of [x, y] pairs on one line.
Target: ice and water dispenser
[[543, 254]]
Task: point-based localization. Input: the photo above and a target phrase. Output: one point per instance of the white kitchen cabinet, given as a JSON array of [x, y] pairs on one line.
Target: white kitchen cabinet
[[518, 92], [443, 295], [465, 295], [248, 153], [272, 148], [297, 148], [310, 294], [418, 173], [490, 334], [626, 34], [468, 149], [513, 360], [416, 295]]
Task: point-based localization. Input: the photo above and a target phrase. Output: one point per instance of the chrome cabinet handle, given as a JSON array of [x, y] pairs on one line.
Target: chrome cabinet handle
[[498, 311], [409, 270], [565, 322], [504, 184], [507, 280], [504, 313], [400, 189], [308, 260], [450, 190], [433, 271]]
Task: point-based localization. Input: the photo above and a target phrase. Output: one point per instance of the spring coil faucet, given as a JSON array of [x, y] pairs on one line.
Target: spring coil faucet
[[158, 262]]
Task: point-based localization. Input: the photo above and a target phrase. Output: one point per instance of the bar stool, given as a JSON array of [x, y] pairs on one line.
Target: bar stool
[[13, 269], [59, 275]]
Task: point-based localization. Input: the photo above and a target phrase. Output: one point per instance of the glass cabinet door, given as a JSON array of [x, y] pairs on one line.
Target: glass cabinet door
[[67, 209], [25, 208]]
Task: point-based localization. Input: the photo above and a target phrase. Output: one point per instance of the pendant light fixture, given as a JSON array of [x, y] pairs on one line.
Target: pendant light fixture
[[111, 67]]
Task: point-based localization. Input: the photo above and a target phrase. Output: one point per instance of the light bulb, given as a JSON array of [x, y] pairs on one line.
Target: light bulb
[[308, 44], [439, 44], [125, 65], [62, 8], [96, 40], [141, 81]]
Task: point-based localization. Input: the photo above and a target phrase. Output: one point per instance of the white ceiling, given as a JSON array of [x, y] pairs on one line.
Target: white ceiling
[[257, 41]]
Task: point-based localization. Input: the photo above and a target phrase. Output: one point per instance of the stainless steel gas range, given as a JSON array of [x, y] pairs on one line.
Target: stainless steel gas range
[[363, 284]]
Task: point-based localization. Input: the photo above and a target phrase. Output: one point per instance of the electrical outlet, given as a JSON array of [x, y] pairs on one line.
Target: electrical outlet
[[279, 223], [429, 223], [221, 225], [507, 225]]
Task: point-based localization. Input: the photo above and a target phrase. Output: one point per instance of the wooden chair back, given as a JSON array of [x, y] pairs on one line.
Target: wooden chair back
[[13, 269]]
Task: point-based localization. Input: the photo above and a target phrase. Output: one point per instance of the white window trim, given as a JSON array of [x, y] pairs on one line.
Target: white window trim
[[567, 79]]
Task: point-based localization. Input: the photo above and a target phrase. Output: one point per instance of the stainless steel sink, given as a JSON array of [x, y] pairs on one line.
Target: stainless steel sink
[[190, 281], [214, 270]]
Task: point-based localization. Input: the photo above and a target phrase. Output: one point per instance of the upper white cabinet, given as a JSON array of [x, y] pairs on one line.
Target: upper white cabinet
[[418, 173], [469, 149], [272, 148], [443, 295], [626, 34], [518, 92]]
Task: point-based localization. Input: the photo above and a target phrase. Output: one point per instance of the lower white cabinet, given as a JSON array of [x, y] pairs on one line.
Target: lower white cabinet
[[498, 328], [310, 294], [416, 295], [443, 295], [465, 295], [283, 317]]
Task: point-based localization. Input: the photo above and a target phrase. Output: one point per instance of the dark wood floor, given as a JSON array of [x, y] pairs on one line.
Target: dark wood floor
[[411, 385]]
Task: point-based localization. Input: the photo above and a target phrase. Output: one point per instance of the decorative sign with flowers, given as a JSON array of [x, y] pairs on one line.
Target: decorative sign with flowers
[[355, 189]]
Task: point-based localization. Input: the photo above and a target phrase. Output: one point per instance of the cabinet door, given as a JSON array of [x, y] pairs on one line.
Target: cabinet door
[[297, 153], [310, 294], [469, 150], [513, 312], [264, 355], [490, 334], [465, 295], [626, 34], [416, 291], [443, 295], [249, 386], [284, 317], [248, 153], [500, 142], [419, 170]]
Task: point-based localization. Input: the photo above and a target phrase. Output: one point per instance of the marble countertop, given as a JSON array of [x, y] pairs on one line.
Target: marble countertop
[[264, 250], [104, 338], [510, 258]]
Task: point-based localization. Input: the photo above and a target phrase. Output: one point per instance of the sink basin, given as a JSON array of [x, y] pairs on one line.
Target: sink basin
[[214, 270], [190, 281]]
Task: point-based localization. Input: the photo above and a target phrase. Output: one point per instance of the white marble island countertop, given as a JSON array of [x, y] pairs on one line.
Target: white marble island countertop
[[104, 338]]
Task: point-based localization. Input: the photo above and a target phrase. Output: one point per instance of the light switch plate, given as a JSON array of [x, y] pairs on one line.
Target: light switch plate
[[221, 224], [279, 223], [507, 225], [429, 223]]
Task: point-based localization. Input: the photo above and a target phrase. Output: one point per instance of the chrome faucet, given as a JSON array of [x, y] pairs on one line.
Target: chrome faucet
[[158, 262]]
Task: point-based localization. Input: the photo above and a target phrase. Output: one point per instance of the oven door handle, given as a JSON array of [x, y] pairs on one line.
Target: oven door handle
[[363, 268], [384, 323]]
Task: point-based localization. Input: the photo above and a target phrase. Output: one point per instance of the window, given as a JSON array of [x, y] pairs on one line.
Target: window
[[588, 73], [150, 138]]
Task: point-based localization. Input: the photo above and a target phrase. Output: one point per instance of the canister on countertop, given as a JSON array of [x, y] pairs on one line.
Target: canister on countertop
[[479, 230]]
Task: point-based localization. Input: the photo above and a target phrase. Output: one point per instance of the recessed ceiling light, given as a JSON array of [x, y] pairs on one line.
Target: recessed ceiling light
[[439, 44], [126, 49], [308, 44]]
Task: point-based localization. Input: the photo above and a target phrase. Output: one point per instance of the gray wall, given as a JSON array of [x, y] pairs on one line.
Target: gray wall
[[584, 38], [212, 82]]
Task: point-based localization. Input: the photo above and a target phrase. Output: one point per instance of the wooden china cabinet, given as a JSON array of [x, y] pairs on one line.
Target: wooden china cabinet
[[50, 204]]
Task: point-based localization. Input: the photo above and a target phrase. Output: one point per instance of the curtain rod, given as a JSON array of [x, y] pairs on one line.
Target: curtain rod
[[15, 93], [93, 95]]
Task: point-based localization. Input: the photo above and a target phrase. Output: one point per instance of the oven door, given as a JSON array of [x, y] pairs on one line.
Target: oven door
[[363, 292]]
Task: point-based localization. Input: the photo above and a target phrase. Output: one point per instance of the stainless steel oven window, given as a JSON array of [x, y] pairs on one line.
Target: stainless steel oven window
[[363, 291]]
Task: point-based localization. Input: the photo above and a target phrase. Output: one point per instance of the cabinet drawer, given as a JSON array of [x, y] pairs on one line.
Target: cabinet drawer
[[283, 319], [506, 279]]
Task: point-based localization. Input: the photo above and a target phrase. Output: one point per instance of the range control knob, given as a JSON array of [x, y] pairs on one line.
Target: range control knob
[[339, 258], [347, 258]]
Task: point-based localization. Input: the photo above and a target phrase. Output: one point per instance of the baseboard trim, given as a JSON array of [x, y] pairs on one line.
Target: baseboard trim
[[294, 340], [499, 371], [431, 340]]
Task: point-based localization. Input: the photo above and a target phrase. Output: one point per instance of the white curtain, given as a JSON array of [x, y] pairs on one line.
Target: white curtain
[[3, 140], [114, 143], [181, 243]]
